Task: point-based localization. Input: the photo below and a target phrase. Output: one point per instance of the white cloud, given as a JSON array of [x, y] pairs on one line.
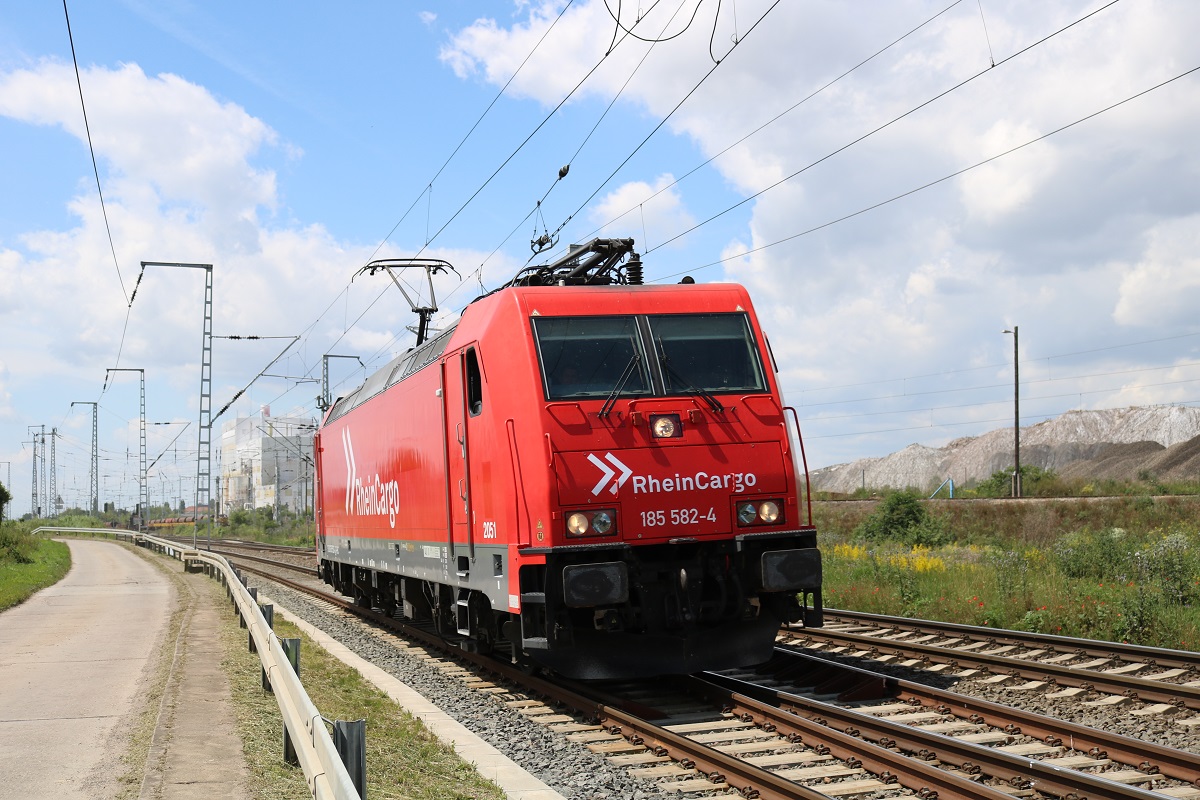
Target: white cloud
[[924, 285], [182, 184], [1164, 287], [486, 49], [166, 140], [654, 209], [1007, 184], [6, 409]]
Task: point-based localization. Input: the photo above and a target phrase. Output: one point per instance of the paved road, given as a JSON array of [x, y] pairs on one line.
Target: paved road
[[72, 661]]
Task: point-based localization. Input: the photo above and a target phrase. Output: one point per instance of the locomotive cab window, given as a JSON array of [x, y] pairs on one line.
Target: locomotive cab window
[[591, 356], [707, 352], [474, 384]]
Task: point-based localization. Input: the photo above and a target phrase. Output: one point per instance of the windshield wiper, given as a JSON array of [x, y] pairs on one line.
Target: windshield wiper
[[704, 394], [611, 400]]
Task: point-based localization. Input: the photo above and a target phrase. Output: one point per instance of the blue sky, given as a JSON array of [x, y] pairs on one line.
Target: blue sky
[[287, 145]]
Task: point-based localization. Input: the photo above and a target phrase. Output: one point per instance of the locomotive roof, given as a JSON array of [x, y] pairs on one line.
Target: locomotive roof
[[555, 301]]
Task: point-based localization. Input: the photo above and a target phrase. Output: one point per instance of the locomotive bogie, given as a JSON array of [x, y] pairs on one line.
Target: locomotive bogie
[[600, 477]]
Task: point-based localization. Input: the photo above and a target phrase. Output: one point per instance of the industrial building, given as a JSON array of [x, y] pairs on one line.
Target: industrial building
[[267, 461]]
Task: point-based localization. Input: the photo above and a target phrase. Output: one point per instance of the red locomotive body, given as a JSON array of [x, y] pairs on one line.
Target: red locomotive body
[[599, 475]]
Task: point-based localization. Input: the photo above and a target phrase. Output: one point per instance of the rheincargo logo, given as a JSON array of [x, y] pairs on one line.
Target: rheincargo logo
[[652, 484], [700, 481], [373, 498]]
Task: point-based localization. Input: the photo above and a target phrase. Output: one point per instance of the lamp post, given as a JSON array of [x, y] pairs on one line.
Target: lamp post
[[1016, 482]]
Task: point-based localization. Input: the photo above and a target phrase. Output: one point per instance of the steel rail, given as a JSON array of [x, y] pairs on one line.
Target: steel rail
[[776, 707], [853, 684], [1106, 683], [923, 777], [259, 559], [752, 781], [1160, 656], [275, 548], [797, 717]]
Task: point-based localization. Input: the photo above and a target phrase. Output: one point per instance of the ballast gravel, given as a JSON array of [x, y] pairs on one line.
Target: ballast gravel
[[575, 772], [567, 767], [1159, 729]]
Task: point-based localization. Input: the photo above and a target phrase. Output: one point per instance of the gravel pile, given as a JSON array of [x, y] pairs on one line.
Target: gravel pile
[[568, 767]]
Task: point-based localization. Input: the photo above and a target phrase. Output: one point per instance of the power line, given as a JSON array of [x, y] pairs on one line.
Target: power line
[[884, 126], [477, 191], [945, 178], [345, 291], [781, 114], [521, 146], [660, 38], [961, 389], [95, 169], [550, 240], [949, 372], [669, 114], [458, 147], [976, 422]]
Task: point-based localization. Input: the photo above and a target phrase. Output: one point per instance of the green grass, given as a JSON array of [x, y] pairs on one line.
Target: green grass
[[1118, 570], [404, 760], [40, 563]]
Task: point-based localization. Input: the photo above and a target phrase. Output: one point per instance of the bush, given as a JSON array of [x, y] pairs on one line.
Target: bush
[[901, 517], [1104, 555], [1035, 482], [1170, 563], [16, 546]]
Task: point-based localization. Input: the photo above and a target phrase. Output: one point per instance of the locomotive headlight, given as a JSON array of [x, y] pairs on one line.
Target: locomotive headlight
[[602, 523], [592, 522], [760, 512], [665, 426]]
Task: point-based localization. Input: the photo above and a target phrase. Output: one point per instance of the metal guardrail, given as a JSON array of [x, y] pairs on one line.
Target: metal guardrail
[[305, 731]]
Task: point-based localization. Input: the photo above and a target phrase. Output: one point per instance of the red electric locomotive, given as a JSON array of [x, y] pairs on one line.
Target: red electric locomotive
[[595, 472]]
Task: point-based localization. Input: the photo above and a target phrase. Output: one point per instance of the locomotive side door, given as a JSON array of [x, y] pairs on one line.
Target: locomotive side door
[[460, 398], [318, 499]]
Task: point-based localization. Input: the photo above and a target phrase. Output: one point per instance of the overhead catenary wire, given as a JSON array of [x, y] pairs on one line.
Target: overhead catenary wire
[[949, 372], [486, 111], [430, 239], [982, 387], [549, 240], [808, 437], [537, 209], [365, 312], [780, 115], [345, 291], [943, 179], [92, 151], [619, 26], [521, 146], [883, 126], [668, 116]]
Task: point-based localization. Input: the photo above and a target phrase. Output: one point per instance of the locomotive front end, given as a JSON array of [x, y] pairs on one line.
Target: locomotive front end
[[678, 540]]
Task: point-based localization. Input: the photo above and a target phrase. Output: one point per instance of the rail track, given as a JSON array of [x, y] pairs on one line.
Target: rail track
[[806, 726], [1166, 681]]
